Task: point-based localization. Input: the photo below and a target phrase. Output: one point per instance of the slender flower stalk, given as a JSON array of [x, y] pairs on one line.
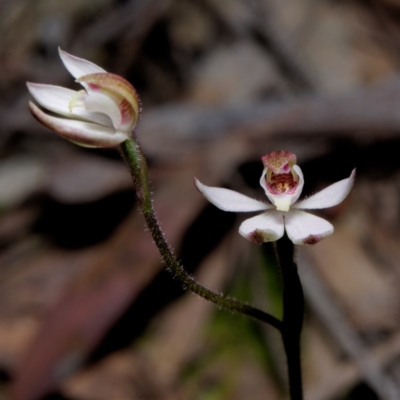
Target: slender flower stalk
[[138, 167]]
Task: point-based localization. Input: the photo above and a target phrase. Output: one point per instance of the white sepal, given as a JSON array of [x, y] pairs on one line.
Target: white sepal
[[330, 196], [266, 227], [78, 66], [53, 98], [229, 200], [305, 228], [58, 100], [80, 132]]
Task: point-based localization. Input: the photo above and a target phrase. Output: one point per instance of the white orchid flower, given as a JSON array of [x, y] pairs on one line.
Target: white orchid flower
[[102, 115], [282, 181]]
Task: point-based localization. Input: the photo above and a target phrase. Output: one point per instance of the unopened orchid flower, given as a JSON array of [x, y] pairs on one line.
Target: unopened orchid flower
[[282, 181], [102, 115]]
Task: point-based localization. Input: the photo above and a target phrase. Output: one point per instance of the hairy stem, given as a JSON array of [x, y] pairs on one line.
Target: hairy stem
[[138, 167], [293, 312]]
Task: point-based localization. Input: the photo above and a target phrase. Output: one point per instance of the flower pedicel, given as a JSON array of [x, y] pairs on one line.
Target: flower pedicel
[[282, 181]]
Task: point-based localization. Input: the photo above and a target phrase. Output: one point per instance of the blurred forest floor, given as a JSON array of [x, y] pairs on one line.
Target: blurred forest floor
[[86, 311]]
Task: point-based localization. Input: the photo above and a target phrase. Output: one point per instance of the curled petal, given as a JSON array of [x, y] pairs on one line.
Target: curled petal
[[78, 67], [229, 200], [58, 99], [266, 227], [330, 196], [305, 228], [103, 104], [283, 201], [120, 90], [80, 132]]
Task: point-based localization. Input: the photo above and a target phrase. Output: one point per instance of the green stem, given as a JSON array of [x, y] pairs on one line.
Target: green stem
[[138, 167], [293, 312]]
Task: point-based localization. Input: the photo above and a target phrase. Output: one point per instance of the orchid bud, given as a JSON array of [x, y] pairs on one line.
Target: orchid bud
[[103, 115]]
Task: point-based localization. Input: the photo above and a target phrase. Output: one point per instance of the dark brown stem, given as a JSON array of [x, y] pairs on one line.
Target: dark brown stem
[[293, 312]]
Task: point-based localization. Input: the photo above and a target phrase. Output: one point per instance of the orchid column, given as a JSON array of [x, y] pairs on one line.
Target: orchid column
[[105, 114]]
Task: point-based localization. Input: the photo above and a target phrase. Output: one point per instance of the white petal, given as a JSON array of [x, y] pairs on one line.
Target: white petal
[[305, 228], [78, 66], [330, 196], [282, 202], [228, 200], [299, 189], [119, 90], [80, 132], [101, 103], [57, 99], [266, 227], [54, 98]]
